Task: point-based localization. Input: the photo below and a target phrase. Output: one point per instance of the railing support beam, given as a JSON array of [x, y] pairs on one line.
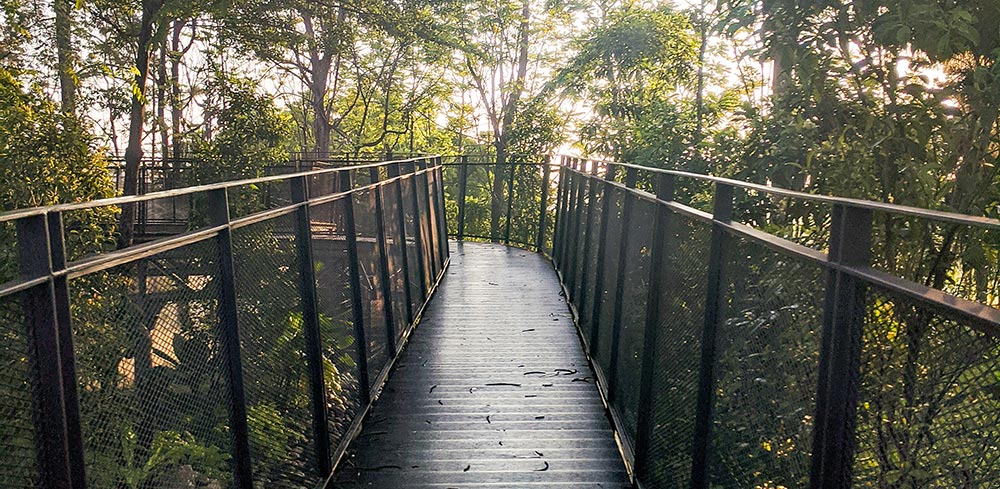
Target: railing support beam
[[354, 272], [714, 303], [230, 336], [310, 320], [840, 350], [543, 206]]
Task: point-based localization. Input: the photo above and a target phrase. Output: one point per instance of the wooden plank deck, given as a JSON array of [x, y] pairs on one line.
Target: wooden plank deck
[[493, 390]]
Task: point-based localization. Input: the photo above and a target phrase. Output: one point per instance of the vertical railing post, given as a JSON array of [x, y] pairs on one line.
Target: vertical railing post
[[39, 303], [564, 218], [714, 303], [631, 175], [575, 225], [602, 250], [442, 212], [588, 240], [543, 206], [67, 355], [559, 219], [354, 277], [510, 200], [230, 338], [310, 322], [463, 182], [397, 187], [663, 232], [840, 350], [423, 193], [410, 168], [382, 250]]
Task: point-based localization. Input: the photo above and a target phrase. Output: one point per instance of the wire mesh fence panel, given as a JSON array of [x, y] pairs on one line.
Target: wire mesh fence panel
[[800, 221], [636, 292], [678, 346], [272, 339], [413, 258], [611, 275], [766, 368], [526, 203], [151, 372], [333, 290], [929, 406], [428, 251], [245, 200], [579, 237], [371, 290], [592, 245], [18, 468], [396, 246]]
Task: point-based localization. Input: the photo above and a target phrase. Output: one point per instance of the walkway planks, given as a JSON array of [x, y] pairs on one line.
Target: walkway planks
[[493, 390]]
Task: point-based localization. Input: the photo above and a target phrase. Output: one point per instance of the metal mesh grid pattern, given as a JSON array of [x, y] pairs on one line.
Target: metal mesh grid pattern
[[340, 351], [272, 342], [371, 291], [929, 408], [678, 346], [585, 305], [766, 368], [412, 249], [579, 227], [150, 368], [636, 293], [17, 433], [611, 276], [396, 247], [428, 251]]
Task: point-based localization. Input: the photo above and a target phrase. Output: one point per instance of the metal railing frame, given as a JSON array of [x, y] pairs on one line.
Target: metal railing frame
[[849, 273], [43, 286]]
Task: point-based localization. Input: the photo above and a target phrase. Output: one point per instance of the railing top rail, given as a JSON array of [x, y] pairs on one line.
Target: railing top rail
[[130, 199], [941, 216]]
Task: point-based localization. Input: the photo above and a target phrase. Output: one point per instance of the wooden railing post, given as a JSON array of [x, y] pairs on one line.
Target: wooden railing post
[[631, 175], [714, 303], [230, 339], [463, 182], [543, 206], [663, 233], [310, 322], [840, 349], [441, 212], [576, 224], [382, 250], [558, 240], [354, 277], [409, 169]]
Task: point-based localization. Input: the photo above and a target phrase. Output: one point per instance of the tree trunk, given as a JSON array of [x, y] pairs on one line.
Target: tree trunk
[[502, 136], [176, 106], [133, 152], [64, 54]]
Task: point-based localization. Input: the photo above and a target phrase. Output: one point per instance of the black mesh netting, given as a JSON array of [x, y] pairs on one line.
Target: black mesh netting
[[340, 351], [413, 257], [273, 353], [426, 215], [766, 368], [678, 346], [929, 406], [611, 275], [17, 433], [591, 245], [151, 372], [574, 272], [371, 290], [636, 291], [396, 248]]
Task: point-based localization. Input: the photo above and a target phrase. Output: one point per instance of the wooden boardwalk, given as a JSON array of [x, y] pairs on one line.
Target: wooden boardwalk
[[493, 390]]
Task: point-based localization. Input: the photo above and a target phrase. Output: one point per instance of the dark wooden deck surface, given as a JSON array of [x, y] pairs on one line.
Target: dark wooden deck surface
[[493, 390]]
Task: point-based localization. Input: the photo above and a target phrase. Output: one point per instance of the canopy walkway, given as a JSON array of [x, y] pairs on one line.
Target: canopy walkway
[[493, 390], [626, 327]]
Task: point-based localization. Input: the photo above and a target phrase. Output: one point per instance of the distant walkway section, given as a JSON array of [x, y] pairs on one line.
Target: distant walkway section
[[493, 391]]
